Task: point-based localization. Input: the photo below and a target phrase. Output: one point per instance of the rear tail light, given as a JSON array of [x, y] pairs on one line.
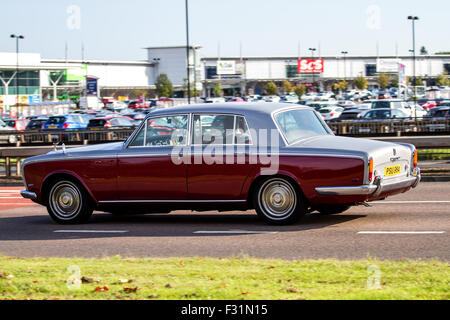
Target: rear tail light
[[415, 160], [108, 124], [371, 170], [332, 114], [66, 125]]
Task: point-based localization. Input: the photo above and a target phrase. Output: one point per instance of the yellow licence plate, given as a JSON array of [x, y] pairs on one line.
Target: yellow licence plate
[[392, 171], [53, 127]]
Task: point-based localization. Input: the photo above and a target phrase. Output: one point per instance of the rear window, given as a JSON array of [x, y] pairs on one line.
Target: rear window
[[352, 115], [10, 123], [96, 123], [381, 104], [56, 120]]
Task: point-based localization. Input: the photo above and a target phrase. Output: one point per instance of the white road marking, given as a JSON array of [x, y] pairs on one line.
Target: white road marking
[[233, 232], [91, 231], [401, 232], [411, 201]]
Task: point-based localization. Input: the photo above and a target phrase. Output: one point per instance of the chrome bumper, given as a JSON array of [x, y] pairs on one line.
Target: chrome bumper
[[28, 195], [372, 189]]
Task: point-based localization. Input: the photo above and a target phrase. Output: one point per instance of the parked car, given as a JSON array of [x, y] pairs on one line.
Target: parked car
[[7, 133], [312, 170], [441, 115], [111, 123], [36, 124], [329, 113], [66, 122], [116, 106], [349, 115], [383, 121], [273, 99], [17, 124], [289, 99], [394, 104]]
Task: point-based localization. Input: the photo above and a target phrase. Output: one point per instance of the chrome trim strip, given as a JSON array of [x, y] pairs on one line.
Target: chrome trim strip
[[347, 191], [28, 195], [170, 201], [372, 189], [151, 155]]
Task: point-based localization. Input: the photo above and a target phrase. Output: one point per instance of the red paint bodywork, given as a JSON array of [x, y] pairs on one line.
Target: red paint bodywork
[[158, 178]]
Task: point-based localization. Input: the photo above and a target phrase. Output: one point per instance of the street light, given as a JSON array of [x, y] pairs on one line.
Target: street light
[[413, 20], [344, 53], [17, 37], [314, 75], [187, 52]]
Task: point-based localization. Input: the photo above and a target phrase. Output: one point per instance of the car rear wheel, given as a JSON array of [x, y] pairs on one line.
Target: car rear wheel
[[278, 201], [69, 203], [333, 209]]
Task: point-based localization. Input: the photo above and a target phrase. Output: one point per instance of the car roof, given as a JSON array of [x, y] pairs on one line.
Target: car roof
[[245, 108]]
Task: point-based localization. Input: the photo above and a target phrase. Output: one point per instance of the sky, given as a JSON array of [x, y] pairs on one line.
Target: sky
[[119, 30]]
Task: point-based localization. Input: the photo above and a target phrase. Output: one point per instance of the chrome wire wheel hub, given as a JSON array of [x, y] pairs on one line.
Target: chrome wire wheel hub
[[278, 198], [65, 200]]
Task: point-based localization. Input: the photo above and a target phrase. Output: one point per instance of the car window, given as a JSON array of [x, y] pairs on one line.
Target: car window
[[213, 129], [299, 124], [56, 120], [381, 104], [162, 131], [242, 133]]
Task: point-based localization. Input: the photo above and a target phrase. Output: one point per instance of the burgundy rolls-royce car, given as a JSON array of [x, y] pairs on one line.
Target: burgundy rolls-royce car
[[281, 160]]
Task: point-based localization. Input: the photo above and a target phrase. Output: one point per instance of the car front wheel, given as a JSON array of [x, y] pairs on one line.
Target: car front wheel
[[278, 201], [69, 203]]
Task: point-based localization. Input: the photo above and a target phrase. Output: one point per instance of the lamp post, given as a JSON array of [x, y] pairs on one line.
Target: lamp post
[[314, 75], [344, 53], [187, 52], [17, 37], [413, 20]]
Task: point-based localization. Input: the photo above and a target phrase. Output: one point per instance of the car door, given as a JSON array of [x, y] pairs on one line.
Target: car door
[[146, 170], [219, 157]]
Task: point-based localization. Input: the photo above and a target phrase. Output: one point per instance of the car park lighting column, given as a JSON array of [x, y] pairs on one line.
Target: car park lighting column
[[17, 37], [413, 19]]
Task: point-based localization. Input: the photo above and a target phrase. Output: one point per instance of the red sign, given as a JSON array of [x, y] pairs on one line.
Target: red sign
[[310, 66]]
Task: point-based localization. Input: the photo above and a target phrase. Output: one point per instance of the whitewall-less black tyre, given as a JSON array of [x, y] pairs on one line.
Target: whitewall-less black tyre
[[69, 203], [278, 201]]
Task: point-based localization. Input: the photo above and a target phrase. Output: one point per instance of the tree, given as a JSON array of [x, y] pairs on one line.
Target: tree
[[361, 83], [423, 51], [194, 92], [164, 86], [287, 87], [140, 92], [218, 90], [418, 81], [343, 85], [442, 81], [271, 88], [300, 91], [394, 81], [383, 81]]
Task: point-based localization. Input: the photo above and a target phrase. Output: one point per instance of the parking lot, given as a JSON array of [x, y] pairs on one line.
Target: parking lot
[[414, 225]]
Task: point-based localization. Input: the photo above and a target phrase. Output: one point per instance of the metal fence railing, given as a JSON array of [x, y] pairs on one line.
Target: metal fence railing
[[399, 127], [41, 137]]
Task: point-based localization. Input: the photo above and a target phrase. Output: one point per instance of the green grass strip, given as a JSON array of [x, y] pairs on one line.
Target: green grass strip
[[210, 278]]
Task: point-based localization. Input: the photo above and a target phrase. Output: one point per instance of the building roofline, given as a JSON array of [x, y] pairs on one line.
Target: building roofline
[[174, 47], [431, 56], [122, 62]]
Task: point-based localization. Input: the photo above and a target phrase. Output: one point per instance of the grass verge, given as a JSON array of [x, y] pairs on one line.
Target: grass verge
[[209, 278]]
